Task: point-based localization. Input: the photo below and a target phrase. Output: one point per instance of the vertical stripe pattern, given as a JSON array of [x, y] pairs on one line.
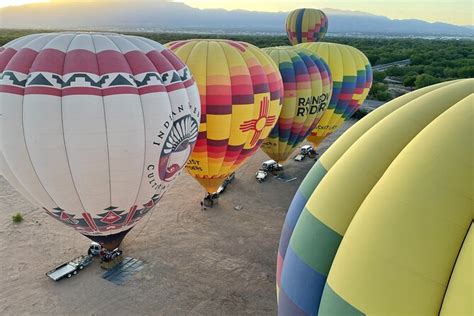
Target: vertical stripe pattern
[[241, 95], [337, 255], [308, 86], [352, 78], [306, 25]]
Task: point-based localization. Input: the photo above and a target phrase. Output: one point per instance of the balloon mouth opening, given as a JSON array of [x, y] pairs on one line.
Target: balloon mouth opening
[[110, 242]]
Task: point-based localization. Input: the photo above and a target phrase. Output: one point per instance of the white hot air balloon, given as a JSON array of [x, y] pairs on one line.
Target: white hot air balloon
[[95, 127]]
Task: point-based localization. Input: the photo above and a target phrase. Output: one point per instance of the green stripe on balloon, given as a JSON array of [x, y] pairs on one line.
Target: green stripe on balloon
[[314, 242], [312, 179], [332, 304]]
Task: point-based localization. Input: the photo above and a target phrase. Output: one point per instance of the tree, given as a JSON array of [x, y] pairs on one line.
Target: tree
[[466, 72], [379, 76], [425, 80], [409, 81], [395, 71]]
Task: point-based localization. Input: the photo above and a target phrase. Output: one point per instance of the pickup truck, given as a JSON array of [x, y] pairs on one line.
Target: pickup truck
[[68, 269]]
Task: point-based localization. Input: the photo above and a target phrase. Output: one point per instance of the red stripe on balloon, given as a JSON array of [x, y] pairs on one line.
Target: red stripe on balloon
[[112, 61], [49, 60], [159, 61], [139, 62], [5, 57], [21, 61], [12, 89], [80, 60], [90, 222], [43, 90]]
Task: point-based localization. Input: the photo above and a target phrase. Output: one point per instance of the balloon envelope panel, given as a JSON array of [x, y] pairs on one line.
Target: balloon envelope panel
[[398, 169], [352, 78], [306, 25], [95, 127], [308, 87], [241, 95]]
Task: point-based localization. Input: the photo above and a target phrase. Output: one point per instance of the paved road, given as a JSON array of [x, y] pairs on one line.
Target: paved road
[[399, 63]]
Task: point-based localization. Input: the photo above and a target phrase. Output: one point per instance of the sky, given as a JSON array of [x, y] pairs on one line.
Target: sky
[[460, 12]]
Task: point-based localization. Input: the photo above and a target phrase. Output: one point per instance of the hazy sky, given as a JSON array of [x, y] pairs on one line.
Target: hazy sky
[[459, 12]]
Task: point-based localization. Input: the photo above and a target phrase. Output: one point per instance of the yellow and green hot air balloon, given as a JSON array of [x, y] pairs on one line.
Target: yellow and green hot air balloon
[[383, 222], [308, 87], [306, 25], [241, 95], [352, 78]]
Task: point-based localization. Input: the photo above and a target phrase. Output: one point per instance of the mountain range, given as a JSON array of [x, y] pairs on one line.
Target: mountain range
[[176, 16]]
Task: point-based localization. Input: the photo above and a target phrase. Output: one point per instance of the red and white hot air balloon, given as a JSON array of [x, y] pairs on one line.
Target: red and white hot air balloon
[[95, 127]]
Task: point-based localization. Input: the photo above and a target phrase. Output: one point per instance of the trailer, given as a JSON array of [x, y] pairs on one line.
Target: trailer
[[70, 268]]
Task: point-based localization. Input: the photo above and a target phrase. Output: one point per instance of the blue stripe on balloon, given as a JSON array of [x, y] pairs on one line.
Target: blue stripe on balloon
[[287, 307], [299, 25], [302, 284]]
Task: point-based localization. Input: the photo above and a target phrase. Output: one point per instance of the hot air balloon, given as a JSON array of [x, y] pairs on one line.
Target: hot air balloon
[[400, 241], [308, 87], [95, 127], [241, 95], [352, 78], [306, 25]]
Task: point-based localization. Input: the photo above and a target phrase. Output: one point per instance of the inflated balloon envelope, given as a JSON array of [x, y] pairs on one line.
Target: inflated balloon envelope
[[241, 95], [306, 25], [95, 127], [308, 87], [351, 73], [399, 240]]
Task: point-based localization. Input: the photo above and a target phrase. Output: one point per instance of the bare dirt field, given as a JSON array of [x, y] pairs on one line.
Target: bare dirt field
[[220, 261]]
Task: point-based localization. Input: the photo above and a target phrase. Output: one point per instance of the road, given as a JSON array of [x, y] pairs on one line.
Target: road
[[399, 63]]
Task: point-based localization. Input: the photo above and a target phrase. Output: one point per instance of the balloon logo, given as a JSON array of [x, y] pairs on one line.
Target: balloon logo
[[95, 127], [177, 148], [257, 125]]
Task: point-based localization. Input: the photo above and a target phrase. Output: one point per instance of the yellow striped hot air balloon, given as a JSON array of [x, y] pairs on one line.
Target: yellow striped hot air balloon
[[306, 25], [352, 78], [241, 95], [382, 224], [308, 88]]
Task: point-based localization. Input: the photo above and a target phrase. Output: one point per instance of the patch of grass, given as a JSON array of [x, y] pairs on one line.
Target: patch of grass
[[17, 218]]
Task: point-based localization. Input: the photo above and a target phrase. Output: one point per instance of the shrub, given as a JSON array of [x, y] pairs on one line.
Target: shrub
[[17, 218], [360, 113]]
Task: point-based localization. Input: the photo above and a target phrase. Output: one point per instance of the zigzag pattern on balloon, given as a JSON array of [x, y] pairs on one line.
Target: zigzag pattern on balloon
[[112, 219], [88, 80]]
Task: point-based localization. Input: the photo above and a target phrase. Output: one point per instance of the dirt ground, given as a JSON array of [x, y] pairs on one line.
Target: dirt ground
[[220, 261]]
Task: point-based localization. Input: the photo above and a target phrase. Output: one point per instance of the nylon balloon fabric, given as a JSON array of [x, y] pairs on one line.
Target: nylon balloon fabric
[[306, 25], [95, 127], [352, 78], [308, 87], [241, 95], [399, 241]]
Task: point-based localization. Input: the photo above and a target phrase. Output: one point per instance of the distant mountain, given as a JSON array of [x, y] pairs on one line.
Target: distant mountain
[[165, 15]]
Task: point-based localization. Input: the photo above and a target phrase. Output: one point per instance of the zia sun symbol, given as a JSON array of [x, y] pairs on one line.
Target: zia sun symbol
[[257, 125]]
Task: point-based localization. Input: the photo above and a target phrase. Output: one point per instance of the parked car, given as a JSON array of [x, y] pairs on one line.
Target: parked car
[[271, 165], [261, 175]]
